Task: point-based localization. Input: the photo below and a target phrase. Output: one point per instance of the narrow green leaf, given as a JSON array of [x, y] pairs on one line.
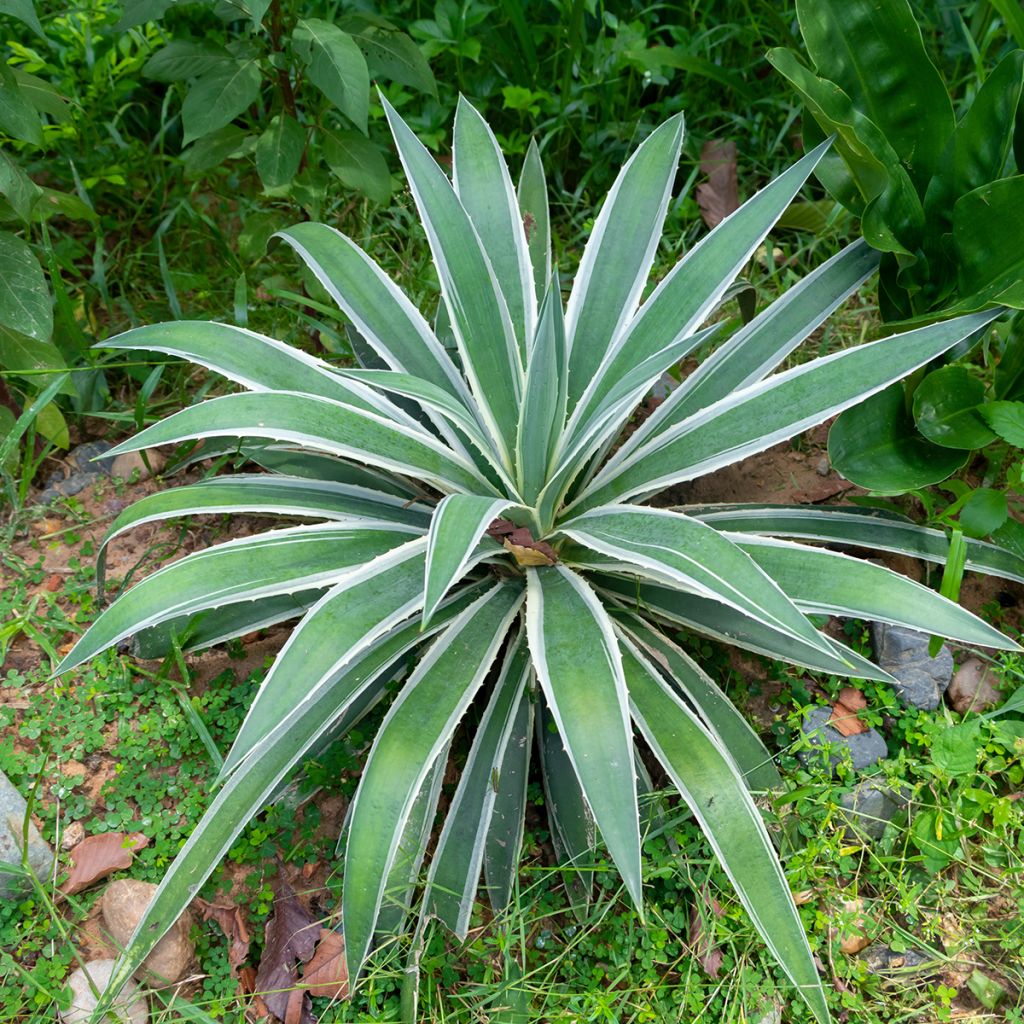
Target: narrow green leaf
[[456, 530], [533, 208], [458, 859], [576, 657], [986, 225], [218, 96], [336, 66], [619, 254], [484, 187], [715, 792], [479, 316], [417, 727]]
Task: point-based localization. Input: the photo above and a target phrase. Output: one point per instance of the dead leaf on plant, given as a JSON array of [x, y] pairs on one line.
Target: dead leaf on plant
[[844, 712], [232, 924], [719, 195], [95, 857]]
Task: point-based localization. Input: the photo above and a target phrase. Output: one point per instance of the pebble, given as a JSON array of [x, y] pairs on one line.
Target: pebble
[[130, 1007], [83, 471], [904, 654], [131, 466], [865, 748], [73, 834], [973, 687], [123, 904], [869, 808], [822, 468], [12, 826]]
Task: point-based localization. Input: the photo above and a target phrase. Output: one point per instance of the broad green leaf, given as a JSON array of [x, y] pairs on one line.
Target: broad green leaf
[[619, 253], [42, 96], [542, 414], [212, 150], [279, 151], [459, 523], [23, 10], [321, 425], [946, 409], [877, 446], [504, 840], [714, 791], [669, 547], [760, 346], [1006, 419], [533, 207], [778, 408], [385, 318], [336, 66], [218, 96], [695, 286], [51, 425], [182, 59], [357, 163], [977, 150], [713, 619], [983, 513], [417, 727], [18, 118], [868, 528], [20, 353], [987, 224], [17, 188], [253, 360], [246, 791], [138, 12], [457, 862], [479, 317], [268, 494], [893, 219], [875, 54], [25, 304], [576, 658], [822, 581], [391, 54], [276, 562], [719, 714], [484, 187], [571, 822], [368, 602]]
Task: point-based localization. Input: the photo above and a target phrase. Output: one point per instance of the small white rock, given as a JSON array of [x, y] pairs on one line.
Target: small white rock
[[73, 834], [130, 1006]]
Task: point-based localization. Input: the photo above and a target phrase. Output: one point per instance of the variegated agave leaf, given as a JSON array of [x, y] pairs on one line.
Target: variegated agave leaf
[[490, 543]]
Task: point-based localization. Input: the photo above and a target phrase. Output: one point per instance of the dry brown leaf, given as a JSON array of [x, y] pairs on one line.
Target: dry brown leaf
[[527, 555], [719, 195], [709, 956], [291, 935], [232, 924], [803, 896], [95, 857], [326, 974], [844, 712]]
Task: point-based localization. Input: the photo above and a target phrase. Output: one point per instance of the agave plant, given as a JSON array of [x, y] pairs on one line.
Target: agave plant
[[482, 537]]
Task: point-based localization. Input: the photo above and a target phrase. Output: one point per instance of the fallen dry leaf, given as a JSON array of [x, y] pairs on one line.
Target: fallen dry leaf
[[232, 924], [95, 857], [291, 935], [719, 195], [709, 956], [844, 712], [326, 974], [803, 896]]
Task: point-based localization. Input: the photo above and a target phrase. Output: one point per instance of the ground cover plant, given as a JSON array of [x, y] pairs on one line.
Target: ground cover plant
[[493, 529]]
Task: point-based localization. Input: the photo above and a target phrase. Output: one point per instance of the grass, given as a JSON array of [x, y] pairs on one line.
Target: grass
[[117, 747]]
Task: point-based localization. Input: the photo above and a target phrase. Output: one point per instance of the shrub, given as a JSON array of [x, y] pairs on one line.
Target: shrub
[[480, 525]]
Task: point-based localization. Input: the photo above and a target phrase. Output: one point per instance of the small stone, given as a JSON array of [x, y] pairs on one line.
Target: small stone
[[853, 940], [124, 902], [83, 471], [12, 833], [869, 808], [922, 679], [131, 466], [72, 835], [130, 1006], [822, 468], [865, 748], [881, 959], [973, 687]]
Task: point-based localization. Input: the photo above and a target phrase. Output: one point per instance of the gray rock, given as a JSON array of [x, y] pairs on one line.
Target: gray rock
[[865, 749], [904, 653], [83, 471], [124, 902], [130, 1007], [12, 827], [974, 687], [870, 807], [883, 960], [822, 468]]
